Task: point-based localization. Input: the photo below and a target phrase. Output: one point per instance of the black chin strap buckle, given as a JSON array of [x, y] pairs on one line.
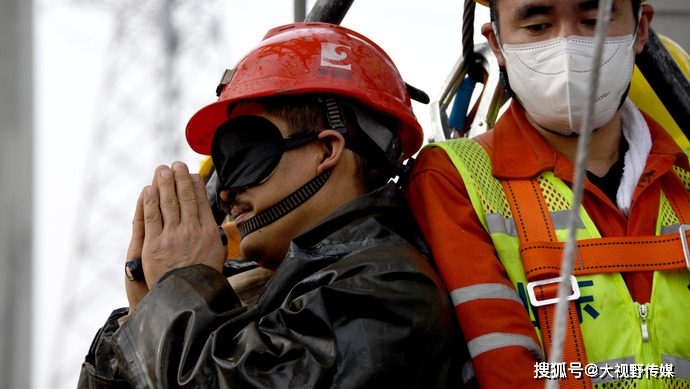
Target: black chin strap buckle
[[403, 171]]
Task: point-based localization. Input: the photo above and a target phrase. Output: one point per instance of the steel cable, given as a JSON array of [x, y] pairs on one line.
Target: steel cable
[[556, 354], [468, 30]]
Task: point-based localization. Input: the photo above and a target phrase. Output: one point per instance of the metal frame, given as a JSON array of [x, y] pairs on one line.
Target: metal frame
[[492, 98]]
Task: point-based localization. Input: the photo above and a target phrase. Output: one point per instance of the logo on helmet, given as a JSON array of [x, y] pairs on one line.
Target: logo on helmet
[[333, 55]]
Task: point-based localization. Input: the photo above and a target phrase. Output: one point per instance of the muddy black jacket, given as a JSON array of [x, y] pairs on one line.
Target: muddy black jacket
[[355, 304]]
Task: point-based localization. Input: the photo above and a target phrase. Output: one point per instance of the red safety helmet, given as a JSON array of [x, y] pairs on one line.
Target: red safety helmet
[[312, 58]]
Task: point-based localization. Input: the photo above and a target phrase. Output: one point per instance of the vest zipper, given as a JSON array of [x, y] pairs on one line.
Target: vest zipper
[[642, 310]]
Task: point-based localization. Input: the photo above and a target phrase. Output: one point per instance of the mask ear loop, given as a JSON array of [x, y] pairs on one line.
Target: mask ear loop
[[503, 73], [633, 43], [637, 26], [498, 37]]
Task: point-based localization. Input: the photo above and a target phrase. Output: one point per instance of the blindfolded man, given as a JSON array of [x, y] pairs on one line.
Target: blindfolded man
[[308, 129]]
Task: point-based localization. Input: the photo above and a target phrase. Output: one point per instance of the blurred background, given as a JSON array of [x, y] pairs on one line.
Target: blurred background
[[94, 94]]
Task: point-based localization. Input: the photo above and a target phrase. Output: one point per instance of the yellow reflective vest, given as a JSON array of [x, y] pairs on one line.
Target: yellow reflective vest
[[627, 345]]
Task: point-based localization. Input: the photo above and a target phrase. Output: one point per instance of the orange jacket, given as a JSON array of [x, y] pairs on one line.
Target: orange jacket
[[464, 252]]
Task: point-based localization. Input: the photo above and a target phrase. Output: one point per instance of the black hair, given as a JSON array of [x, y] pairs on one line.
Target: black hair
[[505, 82], [493, 10]]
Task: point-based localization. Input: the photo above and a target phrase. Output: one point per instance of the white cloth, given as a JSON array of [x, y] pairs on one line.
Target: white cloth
[[636, 132]]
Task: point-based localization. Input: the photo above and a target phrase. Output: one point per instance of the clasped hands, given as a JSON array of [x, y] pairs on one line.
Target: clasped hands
[[173, 227]]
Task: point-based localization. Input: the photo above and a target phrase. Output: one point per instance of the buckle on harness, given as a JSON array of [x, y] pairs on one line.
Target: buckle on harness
[[684, 242], [573, 284]]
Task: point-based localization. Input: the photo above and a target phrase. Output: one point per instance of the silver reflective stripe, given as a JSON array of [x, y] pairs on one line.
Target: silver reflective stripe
[[560, 220], [673, 229], [498, 224], [467, 372], [496, 340], [607, 370], [484, 291], [681, 366]]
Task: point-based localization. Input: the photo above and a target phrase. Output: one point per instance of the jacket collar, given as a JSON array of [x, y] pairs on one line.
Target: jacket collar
[[519, 151], [380, 217]]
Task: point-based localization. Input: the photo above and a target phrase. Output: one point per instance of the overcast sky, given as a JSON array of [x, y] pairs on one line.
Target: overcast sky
[[72, 39]]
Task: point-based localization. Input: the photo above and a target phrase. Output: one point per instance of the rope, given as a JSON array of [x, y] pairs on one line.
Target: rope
[[468, 30], [603, 17]]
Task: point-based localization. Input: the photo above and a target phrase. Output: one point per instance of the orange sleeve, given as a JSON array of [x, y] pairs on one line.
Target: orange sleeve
[[248, 285], [466, 259], [233, 240]]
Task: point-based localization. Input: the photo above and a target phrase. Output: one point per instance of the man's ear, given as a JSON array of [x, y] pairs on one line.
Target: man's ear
[[643, 28], [490, 35], [333, 147]]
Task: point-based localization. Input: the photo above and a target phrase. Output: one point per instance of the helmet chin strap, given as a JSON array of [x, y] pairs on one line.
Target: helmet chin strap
[[285, 206]]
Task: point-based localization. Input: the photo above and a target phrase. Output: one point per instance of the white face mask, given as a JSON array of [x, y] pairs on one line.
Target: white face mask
[[550, 78]]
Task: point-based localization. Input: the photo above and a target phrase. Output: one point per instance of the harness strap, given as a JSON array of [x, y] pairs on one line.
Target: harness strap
[[678, 195], [542, 255], [607, 255], [531, 213], [534, 225], [618, 254]]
